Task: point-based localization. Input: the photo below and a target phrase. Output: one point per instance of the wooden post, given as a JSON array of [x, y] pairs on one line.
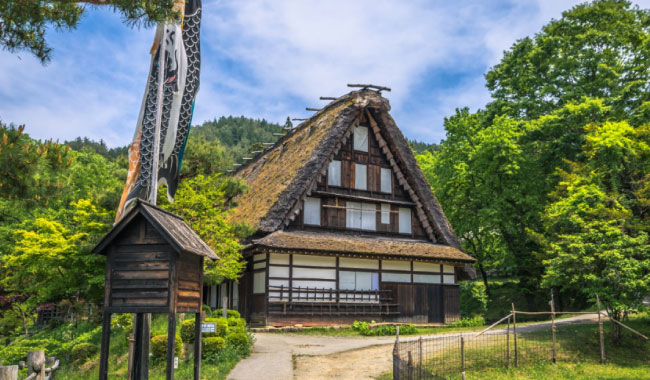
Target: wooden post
[[420, 359], [106, 337], [514, 332], [396, 362], [171, 341], [600, 331], [553, 327], [197, 346], [129, 371], [8, 372], [508, 344], [462, 356], [224, 309], [36, 364], [410, 366], [397, 334]]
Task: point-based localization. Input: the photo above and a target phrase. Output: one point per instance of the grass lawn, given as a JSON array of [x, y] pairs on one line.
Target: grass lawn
[[578, 355], [215, 369]]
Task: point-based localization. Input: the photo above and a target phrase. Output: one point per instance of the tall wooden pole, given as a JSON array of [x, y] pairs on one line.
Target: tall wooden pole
[[462, 356], [553, 327], [514, 332], [508, 344], [600, 331]]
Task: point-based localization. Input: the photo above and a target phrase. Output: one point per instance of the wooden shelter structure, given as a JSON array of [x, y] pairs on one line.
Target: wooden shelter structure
[[347, 226], [154, 264]]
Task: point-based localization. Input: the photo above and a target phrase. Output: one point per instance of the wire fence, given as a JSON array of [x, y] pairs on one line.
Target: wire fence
[[505, 344]]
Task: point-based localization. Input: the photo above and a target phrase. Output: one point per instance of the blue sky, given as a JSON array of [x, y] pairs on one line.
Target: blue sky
[[271, 59]]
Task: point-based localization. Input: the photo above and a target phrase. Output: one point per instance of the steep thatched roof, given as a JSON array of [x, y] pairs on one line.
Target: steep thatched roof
[[285, 173], [328, 242]]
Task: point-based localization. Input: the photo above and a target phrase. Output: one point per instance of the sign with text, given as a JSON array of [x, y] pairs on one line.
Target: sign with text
[[208, 327]]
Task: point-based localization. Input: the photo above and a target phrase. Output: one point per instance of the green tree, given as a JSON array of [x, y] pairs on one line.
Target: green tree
[[24, 24], [595, 50], [204, 202]]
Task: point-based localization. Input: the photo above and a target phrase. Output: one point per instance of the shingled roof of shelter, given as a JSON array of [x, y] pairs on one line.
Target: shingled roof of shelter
[[285, 173], [171, 226], [342, 243]]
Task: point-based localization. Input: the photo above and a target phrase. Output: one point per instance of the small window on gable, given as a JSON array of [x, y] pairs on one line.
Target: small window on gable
[[361, 138], [360, 177], [312, 211], [361, 216], [334, 173], [404, 220], [385, 213], [386, 186]]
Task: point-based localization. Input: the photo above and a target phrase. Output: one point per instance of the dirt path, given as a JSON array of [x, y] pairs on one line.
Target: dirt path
[[305, 357]]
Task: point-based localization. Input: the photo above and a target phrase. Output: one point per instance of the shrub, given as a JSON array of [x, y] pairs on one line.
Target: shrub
[[239, 340], [122, 321], [473, 299], [187, 329], [83, 351], [468, 322], [159, 347], [17, 351], [211, 346], [230, 313], [364, 329], [236, 321]]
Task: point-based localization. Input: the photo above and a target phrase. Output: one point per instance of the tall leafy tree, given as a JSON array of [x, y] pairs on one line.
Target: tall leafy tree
[[24, 24], [595, 50]]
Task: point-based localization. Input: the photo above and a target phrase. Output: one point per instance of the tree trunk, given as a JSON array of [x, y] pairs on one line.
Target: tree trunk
[[485, 281]]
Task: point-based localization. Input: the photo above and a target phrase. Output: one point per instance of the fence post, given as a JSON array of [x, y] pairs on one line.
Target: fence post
[[420, 360], [396, 362], [514, 332], [410, 366], [600, 331], [397, 334], [462, 356], [553, 327], [508, 344], [9, 372]]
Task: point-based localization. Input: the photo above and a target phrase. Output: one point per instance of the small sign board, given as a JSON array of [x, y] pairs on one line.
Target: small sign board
[[176, 362], [208, 327]]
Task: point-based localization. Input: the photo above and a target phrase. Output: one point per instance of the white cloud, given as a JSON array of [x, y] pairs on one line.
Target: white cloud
[[271, 58]]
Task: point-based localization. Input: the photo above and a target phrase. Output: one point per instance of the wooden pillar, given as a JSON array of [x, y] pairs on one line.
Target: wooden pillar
[[420, 359], [9, 372], [600, 332], [514, 332], [106, 337], [141, 349], [171, 341], [553, 328], [197, 346]]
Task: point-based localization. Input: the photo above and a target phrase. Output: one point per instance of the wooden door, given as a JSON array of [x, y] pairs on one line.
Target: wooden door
[[436, 306], [452, 303]]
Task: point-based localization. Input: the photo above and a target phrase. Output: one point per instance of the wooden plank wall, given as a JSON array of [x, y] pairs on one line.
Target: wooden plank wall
[[139, 269], [452, 303], [188, 269]]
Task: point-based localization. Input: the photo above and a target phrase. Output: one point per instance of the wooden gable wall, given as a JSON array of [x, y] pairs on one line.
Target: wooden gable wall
[[335, 198]]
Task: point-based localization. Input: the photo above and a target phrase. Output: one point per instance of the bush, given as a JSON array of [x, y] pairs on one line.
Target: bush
[[383, 330], [159, 347], [211, 346], [187, 328], [122, 321], [236, 321], [240, 341], [17, 351], [468, 322], [231, 313], [83, 351], [473, 299]]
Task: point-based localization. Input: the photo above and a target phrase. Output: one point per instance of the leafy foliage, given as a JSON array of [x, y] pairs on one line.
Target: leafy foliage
[[25, 23], [159, 347]]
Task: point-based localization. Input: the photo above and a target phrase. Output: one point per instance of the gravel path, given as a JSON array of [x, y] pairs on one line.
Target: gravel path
[[285, 356]]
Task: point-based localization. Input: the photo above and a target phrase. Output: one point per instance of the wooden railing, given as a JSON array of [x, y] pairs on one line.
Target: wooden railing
[[306, 300]]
